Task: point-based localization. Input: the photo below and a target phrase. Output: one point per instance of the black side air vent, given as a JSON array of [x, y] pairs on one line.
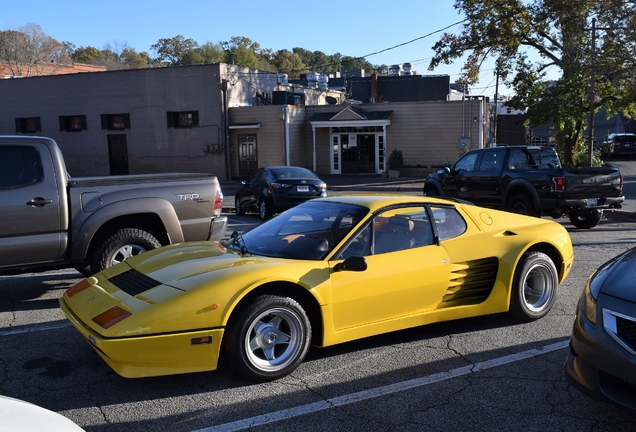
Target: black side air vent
[[133, 282]]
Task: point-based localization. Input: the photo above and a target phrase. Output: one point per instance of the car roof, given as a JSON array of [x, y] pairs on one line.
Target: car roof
[[375, 201]]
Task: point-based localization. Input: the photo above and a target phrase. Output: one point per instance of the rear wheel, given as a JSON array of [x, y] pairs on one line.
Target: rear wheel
[[522, 204], [237, 207], [586, 220], [123, 244], [268, 339], [264, 210], [534, 288]]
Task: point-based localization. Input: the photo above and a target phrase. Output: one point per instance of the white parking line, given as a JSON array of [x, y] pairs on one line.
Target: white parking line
[[35, 328], [381, 391]]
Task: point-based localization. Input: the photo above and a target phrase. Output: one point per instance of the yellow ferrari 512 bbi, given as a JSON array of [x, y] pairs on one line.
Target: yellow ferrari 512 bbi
[[328, 271]]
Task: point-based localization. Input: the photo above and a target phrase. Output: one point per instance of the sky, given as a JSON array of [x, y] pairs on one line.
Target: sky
[[399, 32]]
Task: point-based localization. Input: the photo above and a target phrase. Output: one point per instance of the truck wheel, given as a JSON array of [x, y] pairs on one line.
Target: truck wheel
[[522, 204], [268, 339], [585, 220], [264, 211], [534, 287], [431, 192], [121, 245]]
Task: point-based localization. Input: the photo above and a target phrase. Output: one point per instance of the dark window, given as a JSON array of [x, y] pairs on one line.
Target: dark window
[[492, 160], [73, 123], [183, 119], [28, 125], [19, 166], [116, 121], [449, 222]]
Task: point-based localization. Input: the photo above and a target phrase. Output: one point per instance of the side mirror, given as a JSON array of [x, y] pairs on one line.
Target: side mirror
[[244, 182], [447, 170], [354, 263]]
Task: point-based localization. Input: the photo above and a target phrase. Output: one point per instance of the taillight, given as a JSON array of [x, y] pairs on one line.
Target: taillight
[[111, 317], [621, 186], [279, 185], [78, 288], [559, 184], [218, 202], [323, 186]]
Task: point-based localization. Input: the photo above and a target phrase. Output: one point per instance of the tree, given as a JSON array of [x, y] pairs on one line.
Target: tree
[[559, 32], [173, 50], [28, 51], [289, 63], [243, 50]]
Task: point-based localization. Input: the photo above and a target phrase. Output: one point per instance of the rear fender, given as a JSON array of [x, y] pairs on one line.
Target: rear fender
[[84, 235], [521, 185]]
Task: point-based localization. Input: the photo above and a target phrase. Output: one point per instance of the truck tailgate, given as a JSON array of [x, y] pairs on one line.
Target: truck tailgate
[[594, 182]]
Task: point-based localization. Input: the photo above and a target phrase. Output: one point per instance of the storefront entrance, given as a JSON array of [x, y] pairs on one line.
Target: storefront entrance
[[358, 154]]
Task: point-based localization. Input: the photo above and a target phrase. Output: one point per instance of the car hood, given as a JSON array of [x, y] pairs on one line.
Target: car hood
[[181, 287], [618, 276]]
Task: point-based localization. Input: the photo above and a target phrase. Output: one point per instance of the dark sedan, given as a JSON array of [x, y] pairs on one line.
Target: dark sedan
[[601, 360], [275, 189]]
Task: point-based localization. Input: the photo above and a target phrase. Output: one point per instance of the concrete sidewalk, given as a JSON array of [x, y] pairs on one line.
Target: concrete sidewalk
[[338, 184]]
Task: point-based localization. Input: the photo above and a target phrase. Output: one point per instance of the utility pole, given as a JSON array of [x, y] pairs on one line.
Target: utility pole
[[592, 79]]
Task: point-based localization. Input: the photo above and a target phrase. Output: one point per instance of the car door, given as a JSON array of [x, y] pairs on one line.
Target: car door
[[485, 187], [458, 182], [31, 230], [251, 191], [404, 276]]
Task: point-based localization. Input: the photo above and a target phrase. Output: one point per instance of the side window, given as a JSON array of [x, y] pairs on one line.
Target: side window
[[518, 159], [19, 166], [449, 222], [492, 160], [467, 163], [401, 229]]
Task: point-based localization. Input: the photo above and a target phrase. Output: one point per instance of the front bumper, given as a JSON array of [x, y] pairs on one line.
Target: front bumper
[[152, 355], [598, 367]]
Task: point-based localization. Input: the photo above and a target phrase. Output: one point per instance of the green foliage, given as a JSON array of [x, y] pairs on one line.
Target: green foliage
[[396, 160], [289, 63], [560, 33], [171, 51]]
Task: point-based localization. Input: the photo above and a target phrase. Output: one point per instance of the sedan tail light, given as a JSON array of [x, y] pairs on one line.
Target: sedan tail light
[[279, 185]]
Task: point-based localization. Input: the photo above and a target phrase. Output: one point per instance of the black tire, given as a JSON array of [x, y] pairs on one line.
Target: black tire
[[268, 339], [237, 207], [586, 220], [534, 288], [522, 204], [431, 192], [123, 244], [264, 210]]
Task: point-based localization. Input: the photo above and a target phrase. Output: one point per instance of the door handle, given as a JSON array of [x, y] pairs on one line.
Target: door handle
[[39, 202]]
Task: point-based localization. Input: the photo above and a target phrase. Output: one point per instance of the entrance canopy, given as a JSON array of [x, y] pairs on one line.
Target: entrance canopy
[[357, 137]]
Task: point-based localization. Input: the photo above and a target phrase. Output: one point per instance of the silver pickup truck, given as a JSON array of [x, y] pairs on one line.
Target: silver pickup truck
[[50, 220]]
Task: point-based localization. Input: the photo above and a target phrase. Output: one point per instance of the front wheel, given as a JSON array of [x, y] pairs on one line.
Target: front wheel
[[586, 220], [534, 287], [269, 339], [123, 244]]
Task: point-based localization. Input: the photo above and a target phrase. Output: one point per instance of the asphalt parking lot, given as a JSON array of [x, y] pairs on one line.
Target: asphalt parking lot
[[481, 374]]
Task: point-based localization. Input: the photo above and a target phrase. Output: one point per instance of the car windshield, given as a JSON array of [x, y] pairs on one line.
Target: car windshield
[[307, 232]]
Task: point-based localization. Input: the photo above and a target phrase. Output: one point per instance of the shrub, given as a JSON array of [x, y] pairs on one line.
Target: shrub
[[396, 160]]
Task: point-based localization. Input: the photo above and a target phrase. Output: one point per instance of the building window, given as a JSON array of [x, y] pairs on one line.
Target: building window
[[183, 119], [74, 123], [28, 125], [116, 121]]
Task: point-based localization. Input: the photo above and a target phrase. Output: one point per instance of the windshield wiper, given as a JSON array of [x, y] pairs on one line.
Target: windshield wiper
[[237, 240]]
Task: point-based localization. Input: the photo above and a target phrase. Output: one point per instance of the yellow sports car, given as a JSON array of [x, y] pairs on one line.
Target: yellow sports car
[[325, 272]]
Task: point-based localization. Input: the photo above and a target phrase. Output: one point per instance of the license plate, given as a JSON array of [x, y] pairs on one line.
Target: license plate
[[627, 145], [302, 188], [591, 202]]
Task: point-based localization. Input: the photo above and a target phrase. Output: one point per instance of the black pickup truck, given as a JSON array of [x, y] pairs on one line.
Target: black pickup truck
[[530, 180]]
